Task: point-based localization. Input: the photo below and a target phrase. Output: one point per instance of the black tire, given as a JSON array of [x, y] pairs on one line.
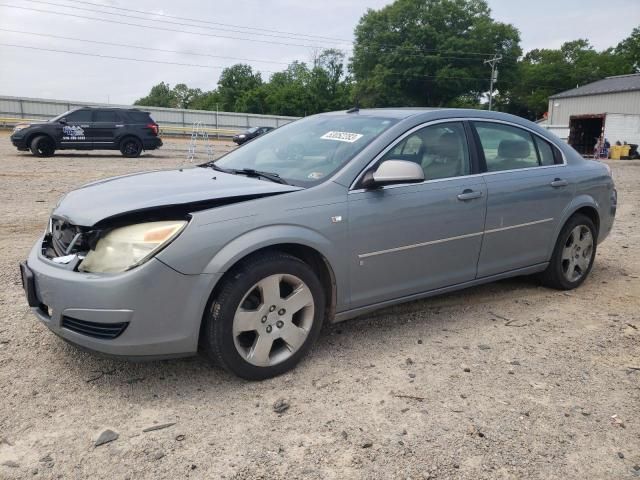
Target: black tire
[[556, 276], [43, 146], [131, 147], [217, 339]]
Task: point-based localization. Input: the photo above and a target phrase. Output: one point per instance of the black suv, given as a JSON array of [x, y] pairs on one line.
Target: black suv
[[129, 130], [250, 134]]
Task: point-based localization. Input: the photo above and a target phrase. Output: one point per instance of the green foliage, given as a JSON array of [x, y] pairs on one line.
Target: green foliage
[[629, 50], [425, 52], [544, 72], [414, 53], [160, 95], [235, 82], [298, 90]]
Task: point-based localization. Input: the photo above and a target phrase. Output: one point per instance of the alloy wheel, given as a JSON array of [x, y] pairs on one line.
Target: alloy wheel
[[273, 320], [577, 252]]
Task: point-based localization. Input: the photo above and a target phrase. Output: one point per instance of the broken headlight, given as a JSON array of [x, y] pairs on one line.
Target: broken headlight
[[124, 248]]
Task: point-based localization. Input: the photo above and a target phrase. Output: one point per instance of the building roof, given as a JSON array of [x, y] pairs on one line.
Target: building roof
[[618, 84]]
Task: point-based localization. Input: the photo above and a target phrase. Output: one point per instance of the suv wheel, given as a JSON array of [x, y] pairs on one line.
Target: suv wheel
[[265, 317], [43, 146], [131, 147], [573, 254]]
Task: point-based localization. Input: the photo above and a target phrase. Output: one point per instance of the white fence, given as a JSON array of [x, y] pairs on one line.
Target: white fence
[[171, 120]]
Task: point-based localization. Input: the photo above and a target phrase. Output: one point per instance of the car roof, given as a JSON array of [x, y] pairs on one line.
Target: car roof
[[428, 113], [108, 108]]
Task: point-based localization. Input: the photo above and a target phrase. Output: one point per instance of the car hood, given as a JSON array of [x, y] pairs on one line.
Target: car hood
[[190, 189]]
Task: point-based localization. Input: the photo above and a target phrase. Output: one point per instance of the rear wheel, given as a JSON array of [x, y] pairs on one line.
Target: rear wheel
[[43, 146], [265, 317], [130, 147], [573, 254]]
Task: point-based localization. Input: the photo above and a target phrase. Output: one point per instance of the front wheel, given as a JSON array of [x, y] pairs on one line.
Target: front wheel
[[573, 254], [265, 317], [131, 147], [43, 146]]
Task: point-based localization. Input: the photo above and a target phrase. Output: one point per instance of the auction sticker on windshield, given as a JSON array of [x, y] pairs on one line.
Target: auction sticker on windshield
[[342, 136]]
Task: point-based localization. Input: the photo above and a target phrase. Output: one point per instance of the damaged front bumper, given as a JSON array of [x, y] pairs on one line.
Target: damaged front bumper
[[151, 311]]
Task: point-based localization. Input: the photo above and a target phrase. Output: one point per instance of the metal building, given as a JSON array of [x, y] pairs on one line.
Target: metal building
[[608, 108]]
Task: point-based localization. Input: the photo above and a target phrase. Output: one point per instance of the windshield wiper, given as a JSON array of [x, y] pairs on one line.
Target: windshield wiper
[[250, 172], [216, 167]]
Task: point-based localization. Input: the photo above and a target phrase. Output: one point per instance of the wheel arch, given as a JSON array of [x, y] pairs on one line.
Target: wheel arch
[[124, 136], [583, 204], [310, 255], [34, 135]]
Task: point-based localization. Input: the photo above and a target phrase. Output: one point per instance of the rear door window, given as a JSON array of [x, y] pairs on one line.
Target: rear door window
[[106, 116], [506, 147]]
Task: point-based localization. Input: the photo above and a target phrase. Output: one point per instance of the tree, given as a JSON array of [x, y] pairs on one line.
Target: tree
[[234, 82], [429, 52], [184, 96], [629, 50], [160, 95], [544, 72]]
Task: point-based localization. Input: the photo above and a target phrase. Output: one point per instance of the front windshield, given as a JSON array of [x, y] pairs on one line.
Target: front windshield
[[308, 151], [252, 129]]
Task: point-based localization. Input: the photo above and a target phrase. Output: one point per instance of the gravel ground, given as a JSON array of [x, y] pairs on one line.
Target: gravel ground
[[508, 380]]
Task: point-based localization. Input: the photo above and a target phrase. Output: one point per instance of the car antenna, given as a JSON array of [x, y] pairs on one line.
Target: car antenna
[[354, 109]]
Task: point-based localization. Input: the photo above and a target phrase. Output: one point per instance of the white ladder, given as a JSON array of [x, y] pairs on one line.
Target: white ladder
[[199, 131]]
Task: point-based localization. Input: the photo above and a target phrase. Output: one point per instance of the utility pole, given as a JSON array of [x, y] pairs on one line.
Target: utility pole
[[494, 75]]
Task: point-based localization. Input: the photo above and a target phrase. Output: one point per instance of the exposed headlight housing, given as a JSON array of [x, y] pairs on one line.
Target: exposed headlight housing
[[127, 247]]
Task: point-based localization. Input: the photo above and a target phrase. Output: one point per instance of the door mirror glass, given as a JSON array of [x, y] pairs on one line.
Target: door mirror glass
[[393, 172]]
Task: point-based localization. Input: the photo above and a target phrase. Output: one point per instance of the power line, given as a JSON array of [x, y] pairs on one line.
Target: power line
[[154, 27], [206, 21], [168, 21], [163, 62], [115, 57], [140, 47]]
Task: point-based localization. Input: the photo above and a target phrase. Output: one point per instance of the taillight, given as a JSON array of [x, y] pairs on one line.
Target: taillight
[[154, 128]]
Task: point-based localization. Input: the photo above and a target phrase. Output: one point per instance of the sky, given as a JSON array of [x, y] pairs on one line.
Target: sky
[[291, 30]]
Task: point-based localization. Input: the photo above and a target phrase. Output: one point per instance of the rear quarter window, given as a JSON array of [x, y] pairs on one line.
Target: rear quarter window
[[140, 117], [548, 154]]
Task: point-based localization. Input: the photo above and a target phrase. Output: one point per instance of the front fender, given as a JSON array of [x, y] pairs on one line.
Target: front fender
[[268, 236]]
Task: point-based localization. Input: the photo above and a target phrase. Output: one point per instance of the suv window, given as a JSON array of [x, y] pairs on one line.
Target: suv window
[[106, 116], [506, 147], [79, 116], [139, 117], [441, 150]]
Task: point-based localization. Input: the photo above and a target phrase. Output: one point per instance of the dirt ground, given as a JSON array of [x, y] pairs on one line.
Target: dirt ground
[[508, 380]]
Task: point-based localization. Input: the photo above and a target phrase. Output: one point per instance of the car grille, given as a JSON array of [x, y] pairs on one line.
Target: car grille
[[104, 331]]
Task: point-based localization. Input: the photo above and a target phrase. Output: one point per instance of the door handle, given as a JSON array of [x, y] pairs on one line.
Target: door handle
[[559, 182], [469, 195]]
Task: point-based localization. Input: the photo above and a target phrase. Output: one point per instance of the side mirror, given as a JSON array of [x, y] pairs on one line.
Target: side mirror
[[63, 121], [392, 172]]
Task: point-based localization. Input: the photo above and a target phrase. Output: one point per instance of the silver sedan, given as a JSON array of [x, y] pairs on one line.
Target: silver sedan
[[324, 219]]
